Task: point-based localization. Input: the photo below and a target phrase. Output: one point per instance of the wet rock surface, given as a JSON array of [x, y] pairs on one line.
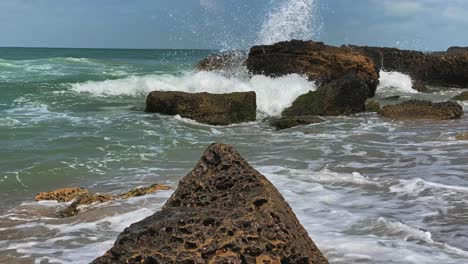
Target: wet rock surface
[[223, 211], [213, 109], [343, 96], [442, 69], [289, 122], [61, 195], [461, 97], [81, 197], [319, 62], [372, 105], [462, 136], [418, 109]]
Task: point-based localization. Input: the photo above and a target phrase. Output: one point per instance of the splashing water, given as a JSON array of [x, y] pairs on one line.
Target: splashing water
[[292, 19]]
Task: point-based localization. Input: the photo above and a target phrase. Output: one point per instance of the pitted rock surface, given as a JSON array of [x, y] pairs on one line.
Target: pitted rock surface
[[223, 211], [417, 109], [61, 195]]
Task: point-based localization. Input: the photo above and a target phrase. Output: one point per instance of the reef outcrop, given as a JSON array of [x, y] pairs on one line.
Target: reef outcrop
[[223, 211], [418, 109]]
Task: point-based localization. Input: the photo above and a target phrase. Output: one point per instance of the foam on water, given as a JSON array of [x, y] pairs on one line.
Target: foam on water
[[291, 19], [273, 94], [395, 83]]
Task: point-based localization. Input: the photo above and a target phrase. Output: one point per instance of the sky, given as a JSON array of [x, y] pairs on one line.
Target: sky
[[220, 24]]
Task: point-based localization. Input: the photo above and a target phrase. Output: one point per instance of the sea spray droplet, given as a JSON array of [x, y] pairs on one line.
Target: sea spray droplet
[[291, 19]]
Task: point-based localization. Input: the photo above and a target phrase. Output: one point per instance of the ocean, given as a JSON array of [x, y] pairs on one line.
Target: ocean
[[367, 189]]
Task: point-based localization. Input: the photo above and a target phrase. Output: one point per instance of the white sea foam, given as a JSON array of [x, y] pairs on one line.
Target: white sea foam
[[273, 94], [395, 83], [291, 19], [417, 185]]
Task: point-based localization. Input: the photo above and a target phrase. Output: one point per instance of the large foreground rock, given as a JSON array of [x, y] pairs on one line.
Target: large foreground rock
[[416, 109], [223, 211], [319, 62], [213, 109], [442, 69], [343, 96]]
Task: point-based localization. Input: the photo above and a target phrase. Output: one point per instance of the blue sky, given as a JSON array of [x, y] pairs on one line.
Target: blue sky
[[414, 24]]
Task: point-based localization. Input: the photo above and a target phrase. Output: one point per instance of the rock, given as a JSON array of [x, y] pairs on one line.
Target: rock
[[85, 199], [289, 122], [213, 109], [461, 97], [82, 197], [392, 98], [144, 191], [416, 109], [345, 95], [316, 60], [441, 69], [462, 136], [225, 62], [372, 106], [457, 50], [61, 195], [223, 211]]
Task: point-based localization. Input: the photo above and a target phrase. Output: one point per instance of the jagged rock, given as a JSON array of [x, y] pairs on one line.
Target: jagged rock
[[417, 109], [289, 122], [462, 136], [372, 106], [82, 197], [227, 61], [223, 211], [61, 195], [461, 97], [85, 199], [345, 95], [441, 69], [213, 109], [316, 60], [144, 191]]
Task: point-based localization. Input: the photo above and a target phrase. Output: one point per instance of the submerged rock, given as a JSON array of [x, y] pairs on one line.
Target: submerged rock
[[372, 106], [319, 62], [461, 97], [213, 109], [289, 122], [61, 195], [462, 136], [441, 69], [82, 197], [223, 211], [144, 191], [345, 95], [85, 199], [417, 109]]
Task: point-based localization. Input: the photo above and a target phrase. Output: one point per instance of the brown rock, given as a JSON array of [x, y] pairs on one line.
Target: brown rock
[[441, 69], [144, 191], [213, 109], [343, 96], [315, 60], [227, 61], [223, 211], [416, 109], [461, 97], [289, 122], [85, 199], [372, 106], [61, 195], [462, 136]]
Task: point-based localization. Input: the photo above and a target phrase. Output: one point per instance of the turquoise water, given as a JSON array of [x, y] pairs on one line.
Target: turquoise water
[[368, 190]]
